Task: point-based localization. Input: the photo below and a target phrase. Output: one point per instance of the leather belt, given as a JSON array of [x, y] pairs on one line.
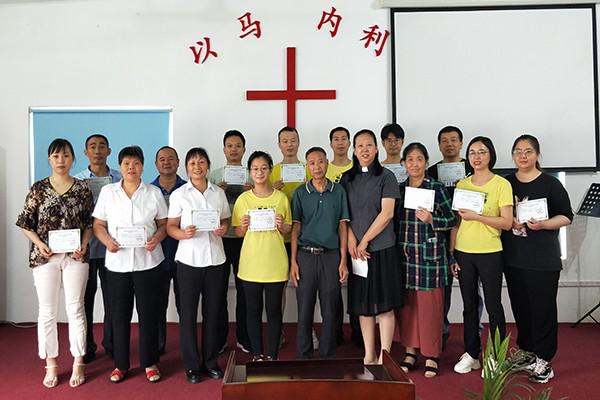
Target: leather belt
[[313, 249]]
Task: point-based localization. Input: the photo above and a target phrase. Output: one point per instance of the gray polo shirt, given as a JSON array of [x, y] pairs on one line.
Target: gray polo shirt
[[319, 214], [364, 199]]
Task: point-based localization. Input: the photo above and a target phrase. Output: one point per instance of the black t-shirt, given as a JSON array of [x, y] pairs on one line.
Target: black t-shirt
[[450, 186], [539, 250]]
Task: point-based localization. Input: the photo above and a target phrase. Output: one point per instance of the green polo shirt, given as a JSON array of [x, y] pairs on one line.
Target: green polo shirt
[[320, 214]]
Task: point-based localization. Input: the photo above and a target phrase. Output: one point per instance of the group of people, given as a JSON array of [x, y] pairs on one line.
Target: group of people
[[319, 223]]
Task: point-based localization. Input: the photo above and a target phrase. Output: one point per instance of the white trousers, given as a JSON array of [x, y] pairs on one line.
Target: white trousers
[[61, 270]]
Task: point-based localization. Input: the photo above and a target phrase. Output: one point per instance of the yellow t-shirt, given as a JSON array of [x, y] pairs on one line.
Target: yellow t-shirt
[[477, 237], [263, 257], [289, 187], [334, 173]]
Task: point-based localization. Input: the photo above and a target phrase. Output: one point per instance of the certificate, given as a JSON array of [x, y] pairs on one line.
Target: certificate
[[234, 175], [205, 220], [262, 220], [360, 267], [468, 200], [398, 170], [293, 172], [64, 240], [419, 198], [449, 173], [131, 236], [96, 183], [532, 209]]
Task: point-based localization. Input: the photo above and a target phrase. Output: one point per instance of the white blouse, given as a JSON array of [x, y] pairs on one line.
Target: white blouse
[[142, 209], [205, 248]]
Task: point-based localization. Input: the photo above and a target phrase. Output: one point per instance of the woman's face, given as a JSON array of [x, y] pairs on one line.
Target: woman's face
[[197, 168], [259, 170], [415, 163], [61, 161], [479, 156], [524, 155], [131, 169], [365, 149]]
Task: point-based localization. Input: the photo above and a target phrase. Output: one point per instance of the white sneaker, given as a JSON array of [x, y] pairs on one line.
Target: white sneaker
[[315, 340], [466, 364]]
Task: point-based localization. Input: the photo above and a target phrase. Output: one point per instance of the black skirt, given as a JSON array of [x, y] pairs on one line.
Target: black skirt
[[382, 290]]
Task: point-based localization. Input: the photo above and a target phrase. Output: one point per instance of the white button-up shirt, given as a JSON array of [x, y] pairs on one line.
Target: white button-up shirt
[[205, 248], [142, 209]]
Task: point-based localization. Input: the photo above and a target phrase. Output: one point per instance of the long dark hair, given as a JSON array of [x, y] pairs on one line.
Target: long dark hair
[[534, 143], [356, 169]]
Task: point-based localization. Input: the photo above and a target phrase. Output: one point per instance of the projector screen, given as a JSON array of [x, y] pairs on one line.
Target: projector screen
[[500, 72]]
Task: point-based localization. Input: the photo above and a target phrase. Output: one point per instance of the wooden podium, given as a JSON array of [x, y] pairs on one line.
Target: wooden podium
[[330, 379]]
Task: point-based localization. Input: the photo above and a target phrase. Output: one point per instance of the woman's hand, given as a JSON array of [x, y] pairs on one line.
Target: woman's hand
[[245, 221], [45, 250], [151, 244], [536, 225], [113, 246], [455, 268], [468, 215], [361, 250], [189, 231], [221, 230], [78, 254], [516, 224], [279, 222], [352, 244], [278, 184], [424, 215]]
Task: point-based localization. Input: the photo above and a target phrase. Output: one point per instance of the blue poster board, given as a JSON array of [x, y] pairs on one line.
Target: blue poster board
[[148, 127]]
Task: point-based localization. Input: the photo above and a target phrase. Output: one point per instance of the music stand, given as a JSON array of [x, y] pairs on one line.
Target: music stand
[[590, 207]]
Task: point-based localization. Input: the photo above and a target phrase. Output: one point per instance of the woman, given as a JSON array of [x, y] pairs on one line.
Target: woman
[[263, 259], [135, 214], [200, 264], [422, 238], [532, 261], [56, 203], [478, 249], [372, 192]]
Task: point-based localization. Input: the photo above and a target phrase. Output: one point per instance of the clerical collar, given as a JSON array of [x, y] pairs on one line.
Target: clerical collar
[[365, 169]]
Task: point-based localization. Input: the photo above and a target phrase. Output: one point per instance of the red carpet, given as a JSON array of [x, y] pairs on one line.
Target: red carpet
[[576, 367]]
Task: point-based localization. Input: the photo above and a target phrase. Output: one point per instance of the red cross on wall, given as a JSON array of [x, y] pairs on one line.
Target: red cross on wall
[[291, 94]]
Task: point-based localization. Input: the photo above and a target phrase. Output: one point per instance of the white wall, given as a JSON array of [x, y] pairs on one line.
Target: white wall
[[109, 52]]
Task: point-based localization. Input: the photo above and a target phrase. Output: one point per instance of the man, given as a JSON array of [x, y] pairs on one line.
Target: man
[[450, 141], [167, 163], [234, 147], [392, 137], [318, 261], [339, 140], [97, 174]]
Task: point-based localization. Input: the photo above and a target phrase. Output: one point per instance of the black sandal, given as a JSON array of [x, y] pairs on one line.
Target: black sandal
[[408, 366], [431, 372]]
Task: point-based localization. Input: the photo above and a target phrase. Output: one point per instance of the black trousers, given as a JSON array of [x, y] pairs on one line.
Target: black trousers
[[254, 308], [193, 282], [486, 267], [533, 301], [97, 268], [233, 246], [318, 274], [167, 277], [124, 287]]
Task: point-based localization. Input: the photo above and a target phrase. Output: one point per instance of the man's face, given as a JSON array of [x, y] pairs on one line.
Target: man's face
[[234, 149], [450, 144], [392, 145], [289, 143], [97, 151], [167, 162], [340, 143], [317, 164]]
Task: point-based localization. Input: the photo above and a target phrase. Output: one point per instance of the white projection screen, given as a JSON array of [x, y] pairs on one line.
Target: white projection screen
[[499, 72]]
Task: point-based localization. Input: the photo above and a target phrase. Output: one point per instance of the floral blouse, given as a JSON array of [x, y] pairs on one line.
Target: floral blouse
[[46, 210]]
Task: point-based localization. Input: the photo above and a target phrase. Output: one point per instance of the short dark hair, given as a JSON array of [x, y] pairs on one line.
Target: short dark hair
[[234, 132], [260, 154], [448, 129], [415, 146], [315, 149], [164, 148], [535, 143], [131, 151], [339, 128], [487, 142], [287, 129], [96, 135], [394, 129], [197, 152], [60, 144]]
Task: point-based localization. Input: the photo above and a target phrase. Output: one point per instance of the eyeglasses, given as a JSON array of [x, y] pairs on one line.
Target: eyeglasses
[[527, 153], [478, 153]]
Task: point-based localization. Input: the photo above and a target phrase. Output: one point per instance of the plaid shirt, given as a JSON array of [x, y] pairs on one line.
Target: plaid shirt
[[424, 245]]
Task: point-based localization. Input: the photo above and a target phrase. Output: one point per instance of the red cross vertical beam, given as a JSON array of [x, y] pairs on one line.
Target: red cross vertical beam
[[291, 95]]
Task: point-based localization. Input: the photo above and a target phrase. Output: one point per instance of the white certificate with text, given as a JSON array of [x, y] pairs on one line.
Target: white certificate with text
[[419, 198], [293, 172], [398, 170], [451, 172], [262, 220], [131, 236], [64, 240], [532, 210], [360, 267], [97, 183], [234, 175], [468, 200], [205, 220]]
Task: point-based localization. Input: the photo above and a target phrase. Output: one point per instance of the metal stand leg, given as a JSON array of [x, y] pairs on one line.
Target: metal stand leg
[[588, 314]]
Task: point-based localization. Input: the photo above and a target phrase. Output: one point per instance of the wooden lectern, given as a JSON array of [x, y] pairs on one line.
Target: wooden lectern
[[329, 379]]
